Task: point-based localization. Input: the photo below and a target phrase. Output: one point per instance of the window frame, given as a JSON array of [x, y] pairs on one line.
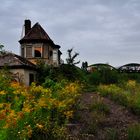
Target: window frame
[[35, 50], [29, 46]]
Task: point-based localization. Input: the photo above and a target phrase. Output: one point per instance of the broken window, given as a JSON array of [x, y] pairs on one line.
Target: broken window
[[31, 78], [37, 52], [22, 51]]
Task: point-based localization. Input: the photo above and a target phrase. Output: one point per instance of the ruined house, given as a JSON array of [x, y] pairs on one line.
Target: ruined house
[[35, 44]]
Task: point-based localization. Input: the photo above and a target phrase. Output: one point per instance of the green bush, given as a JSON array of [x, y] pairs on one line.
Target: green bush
[[94, 78], [103, 76], [57, 74]]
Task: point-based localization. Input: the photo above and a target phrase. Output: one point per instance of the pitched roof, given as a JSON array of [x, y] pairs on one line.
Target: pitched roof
[[15, 61], [36, 33]]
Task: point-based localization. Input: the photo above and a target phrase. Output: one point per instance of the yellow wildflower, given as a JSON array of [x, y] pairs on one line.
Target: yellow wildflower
[[2, 92], [42, 102], [40, 126], [68, 114]]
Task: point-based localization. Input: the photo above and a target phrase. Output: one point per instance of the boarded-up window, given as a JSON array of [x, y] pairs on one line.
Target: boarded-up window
[[54, 55], [29, 52], [37, 52]]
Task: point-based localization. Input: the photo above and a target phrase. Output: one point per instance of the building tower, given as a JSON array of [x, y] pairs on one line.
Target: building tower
[[36, 44]]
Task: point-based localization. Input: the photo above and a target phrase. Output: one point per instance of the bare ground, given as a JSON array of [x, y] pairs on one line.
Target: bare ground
[[113, 124]]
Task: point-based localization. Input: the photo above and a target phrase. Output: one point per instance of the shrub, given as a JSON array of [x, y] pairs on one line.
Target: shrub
[[94, 78], [57, 74], [103, 76]]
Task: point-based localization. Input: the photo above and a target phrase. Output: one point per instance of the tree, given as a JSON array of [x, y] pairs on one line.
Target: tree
[[84, 65], [71, 58], [2, 51]]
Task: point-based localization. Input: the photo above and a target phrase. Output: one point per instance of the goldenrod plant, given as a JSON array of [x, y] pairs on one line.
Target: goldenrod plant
[[36, 112]]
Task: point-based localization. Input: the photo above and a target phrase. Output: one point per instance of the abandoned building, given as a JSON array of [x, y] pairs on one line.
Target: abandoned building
[[35, 44], [21, 69]]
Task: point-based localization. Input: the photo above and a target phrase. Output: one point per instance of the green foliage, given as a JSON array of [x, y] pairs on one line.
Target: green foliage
[[129, 76], [44, 71], [5, 80], [94, 78], [72, 73], [99, 106], [112, 134], [109, 76], [126, 94], [36, 112], [98, 111], [103, 76], [84, 66], [134, 132], [93, 126], [57, 74]]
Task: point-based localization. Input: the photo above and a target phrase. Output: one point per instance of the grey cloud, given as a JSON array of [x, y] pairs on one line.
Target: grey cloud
[[100, 30]]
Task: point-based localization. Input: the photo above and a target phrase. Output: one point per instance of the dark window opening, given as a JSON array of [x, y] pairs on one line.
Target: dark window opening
[[37, 53], [31, 78], [51, 53], [22, 52]]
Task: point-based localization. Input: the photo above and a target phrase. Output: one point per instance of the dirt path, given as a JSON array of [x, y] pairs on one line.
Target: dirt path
[[103, 127]]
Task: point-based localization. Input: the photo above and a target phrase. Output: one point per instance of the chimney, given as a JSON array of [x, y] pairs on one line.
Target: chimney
[[27, 25]]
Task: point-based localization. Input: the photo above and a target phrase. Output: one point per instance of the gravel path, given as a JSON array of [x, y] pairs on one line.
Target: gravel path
[[116, 121]]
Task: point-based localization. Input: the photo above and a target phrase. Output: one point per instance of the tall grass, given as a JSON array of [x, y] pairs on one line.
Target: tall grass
[[134, 132], [127, 94]]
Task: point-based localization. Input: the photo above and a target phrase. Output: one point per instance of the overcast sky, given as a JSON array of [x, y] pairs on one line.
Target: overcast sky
[[101, 31]]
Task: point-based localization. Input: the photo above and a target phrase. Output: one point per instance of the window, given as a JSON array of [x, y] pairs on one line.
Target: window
[[31, 78], [54, 55], [37, 52], [22, 51], [29, 51]]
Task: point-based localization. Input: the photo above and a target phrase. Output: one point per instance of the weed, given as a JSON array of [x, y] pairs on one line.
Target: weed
[[112, 134], [99, 106], [126, 94], [134, 132]]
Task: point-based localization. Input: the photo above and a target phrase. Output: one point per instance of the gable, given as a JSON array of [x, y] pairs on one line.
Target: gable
[[36, 33], [13, 60]]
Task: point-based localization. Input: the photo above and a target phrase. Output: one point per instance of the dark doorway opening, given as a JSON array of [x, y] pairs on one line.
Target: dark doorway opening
[[31, 78]]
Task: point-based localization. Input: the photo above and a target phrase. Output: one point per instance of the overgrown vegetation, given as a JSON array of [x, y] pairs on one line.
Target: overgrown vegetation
[[36, 112], [134, 132], [126, 94], [43, 110], [63, 72]]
